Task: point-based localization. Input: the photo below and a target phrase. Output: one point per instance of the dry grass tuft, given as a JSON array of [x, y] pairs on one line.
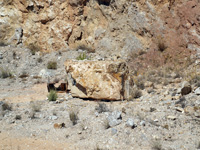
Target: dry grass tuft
[[73, 116]]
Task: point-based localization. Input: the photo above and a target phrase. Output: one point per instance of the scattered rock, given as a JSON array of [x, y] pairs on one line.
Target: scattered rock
[[171, 117], [142, 123], [197, 91], [114, 118], [53, 117], [180, 109], [113, 131], [186, 88], [130, 123]]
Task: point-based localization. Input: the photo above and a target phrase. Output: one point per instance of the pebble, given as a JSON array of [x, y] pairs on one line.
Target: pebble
[[53, 117], [171, 117]]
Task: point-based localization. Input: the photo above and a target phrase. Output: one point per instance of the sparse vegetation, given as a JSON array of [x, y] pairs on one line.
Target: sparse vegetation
[[6, 106], [39, 60], [52, 65], [34, 48], [52, 95], [32, 115], [73, 116], [35, 106], [101, 108], [5, 73], [18, 117], [82, 56], [135, 93]]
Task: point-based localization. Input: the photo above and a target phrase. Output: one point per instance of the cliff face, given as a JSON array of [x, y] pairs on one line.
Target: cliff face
[[110, 27]]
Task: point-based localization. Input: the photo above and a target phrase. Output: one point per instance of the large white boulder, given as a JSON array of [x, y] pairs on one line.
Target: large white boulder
[[97, 79]]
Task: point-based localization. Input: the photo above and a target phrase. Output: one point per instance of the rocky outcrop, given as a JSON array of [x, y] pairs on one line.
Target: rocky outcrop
[[109, 27], [97, 79]]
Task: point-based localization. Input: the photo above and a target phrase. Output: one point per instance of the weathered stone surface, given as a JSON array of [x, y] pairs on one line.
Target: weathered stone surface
[[97, 79]]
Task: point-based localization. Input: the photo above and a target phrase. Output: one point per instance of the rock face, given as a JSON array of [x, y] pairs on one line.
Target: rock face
[[109, 27], [97, 79]]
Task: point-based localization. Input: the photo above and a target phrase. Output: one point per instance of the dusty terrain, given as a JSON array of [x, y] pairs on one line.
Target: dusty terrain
[[159, 118], [158, 40]]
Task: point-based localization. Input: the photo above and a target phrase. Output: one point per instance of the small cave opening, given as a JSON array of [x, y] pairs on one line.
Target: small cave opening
[[80, 37], [30, 8], [104, 2]]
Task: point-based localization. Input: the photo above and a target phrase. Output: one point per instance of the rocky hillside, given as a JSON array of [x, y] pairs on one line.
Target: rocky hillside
[[105, 26], [130, 69]]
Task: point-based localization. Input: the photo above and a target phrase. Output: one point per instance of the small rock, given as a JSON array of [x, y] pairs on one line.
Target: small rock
[[197, 114], [180, 109], [142, 123], [156, 120], [113, 131], [190, 110], [130, 123], [59, 125], [178, 91], [171, 117], [174, 75], [148, 84], [197, 91], [96, 114], [186, 88], [53, 117], [114, 118], [1, 56]]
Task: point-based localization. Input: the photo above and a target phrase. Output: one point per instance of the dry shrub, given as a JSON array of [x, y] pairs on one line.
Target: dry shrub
[[73, 116], [52, 65], [136, 93], [5, 73], [34, 48], [35, 106], [101, 108]]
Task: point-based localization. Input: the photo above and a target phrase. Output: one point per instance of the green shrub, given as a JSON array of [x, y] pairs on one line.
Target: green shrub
[[5, 73], [52, 65], [82, 56], [52, 96], [73, 117]]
